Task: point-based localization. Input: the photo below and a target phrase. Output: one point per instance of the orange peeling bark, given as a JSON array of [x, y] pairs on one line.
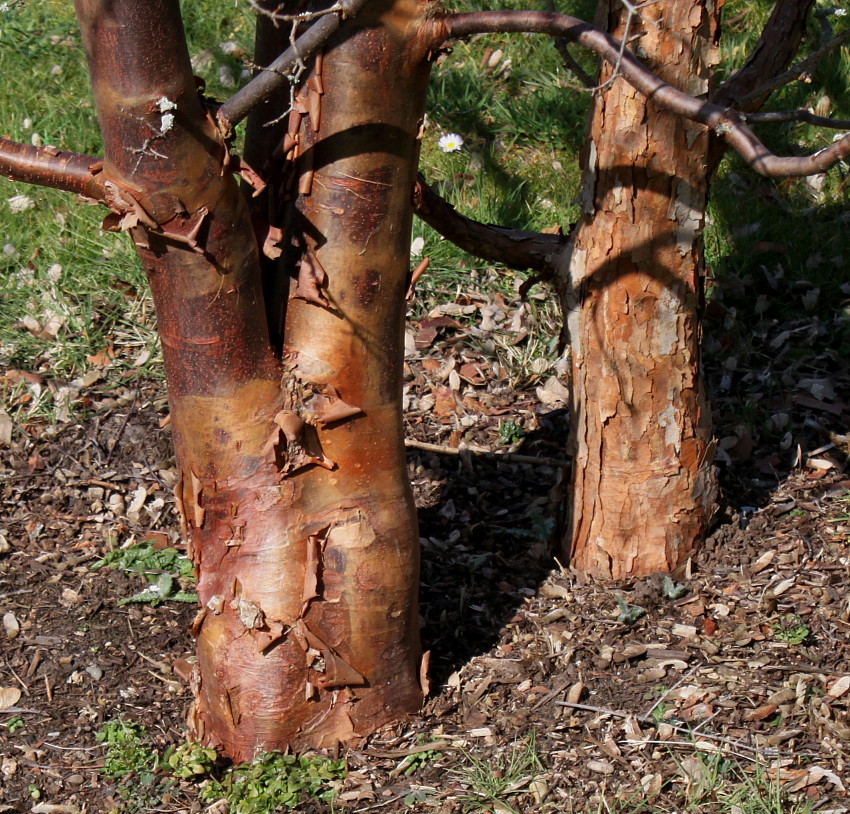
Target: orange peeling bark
[[293, 489], [642, 491]]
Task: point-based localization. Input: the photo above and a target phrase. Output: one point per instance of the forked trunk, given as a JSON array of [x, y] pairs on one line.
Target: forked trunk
[[293, 486], [642, 493]]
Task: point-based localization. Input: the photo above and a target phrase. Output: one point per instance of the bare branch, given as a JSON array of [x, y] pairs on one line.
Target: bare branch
[[800, 69], [279, 73], [774, 116], [301, 17], [723, 120], [49, 167], [514, 248], [567, 58], [774, 50]]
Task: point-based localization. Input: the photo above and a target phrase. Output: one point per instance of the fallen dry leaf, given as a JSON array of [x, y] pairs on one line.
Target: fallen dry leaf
[[9, 696], [10, 625]]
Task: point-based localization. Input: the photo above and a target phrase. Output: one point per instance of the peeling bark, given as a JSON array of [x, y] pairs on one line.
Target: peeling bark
[[293, 490], [631, 280]]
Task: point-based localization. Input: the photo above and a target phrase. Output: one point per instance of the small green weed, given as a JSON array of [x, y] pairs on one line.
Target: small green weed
[[190, 760], [127, 750], [274, 780], [14, 724], [164, 569], [629, 614], [510, 432], [490, 781], [673, 590], [417, 760], [791, 629]]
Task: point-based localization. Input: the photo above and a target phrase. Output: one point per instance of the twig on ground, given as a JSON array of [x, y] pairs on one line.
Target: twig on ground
[[660, 700], [803, 668], [130, 410], [410, 750], [680, 729], [475, 449]]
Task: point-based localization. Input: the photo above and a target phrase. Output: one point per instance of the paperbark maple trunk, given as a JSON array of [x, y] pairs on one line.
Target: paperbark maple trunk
[[293, 486], [642, 486]]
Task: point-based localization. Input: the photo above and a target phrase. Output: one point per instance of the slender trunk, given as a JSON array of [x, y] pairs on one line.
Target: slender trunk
[[642, 490], [293, 487]]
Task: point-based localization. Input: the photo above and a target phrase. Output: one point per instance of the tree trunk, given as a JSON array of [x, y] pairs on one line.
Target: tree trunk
[[642, 486], [293, 487]]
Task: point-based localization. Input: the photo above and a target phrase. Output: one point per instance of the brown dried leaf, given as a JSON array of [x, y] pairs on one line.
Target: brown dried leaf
[[11, 625], [9, 696], [839, 687], [760, 713]]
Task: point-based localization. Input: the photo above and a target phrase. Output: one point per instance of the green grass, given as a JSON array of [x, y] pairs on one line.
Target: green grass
[[489, 783], [58, 270]]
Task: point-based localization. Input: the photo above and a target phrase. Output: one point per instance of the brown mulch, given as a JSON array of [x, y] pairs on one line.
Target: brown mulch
[[745, 654]]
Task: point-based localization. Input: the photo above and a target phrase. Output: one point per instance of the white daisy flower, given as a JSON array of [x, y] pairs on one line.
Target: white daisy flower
[[450, 143]]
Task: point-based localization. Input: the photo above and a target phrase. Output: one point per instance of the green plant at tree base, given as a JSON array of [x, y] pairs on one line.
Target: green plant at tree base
[[127, 750], [673, 590], [190, 760], [162, 568], [629, 614], [791, 629], [273, 780]]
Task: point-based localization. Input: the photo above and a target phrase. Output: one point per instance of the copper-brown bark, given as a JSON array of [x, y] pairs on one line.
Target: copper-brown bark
[[293, 487], [642, 491]]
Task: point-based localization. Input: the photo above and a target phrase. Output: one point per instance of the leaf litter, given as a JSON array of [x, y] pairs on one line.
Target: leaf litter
[[623, 689]]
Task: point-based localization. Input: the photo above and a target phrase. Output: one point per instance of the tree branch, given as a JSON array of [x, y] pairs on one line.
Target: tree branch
[[774, 116], [514, 248], [276, 75], [775, 48], [795, 72], [49, 167], [723, 120], [567, 58]]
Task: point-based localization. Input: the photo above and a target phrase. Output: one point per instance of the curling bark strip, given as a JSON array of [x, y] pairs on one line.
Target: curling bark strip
[[293, 489]]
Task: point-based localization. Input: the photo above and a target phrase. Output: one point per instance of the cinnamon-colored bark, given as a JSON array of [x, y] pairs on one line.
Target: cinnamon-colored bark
[[293, 486], [49, 167], [642, 490]]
